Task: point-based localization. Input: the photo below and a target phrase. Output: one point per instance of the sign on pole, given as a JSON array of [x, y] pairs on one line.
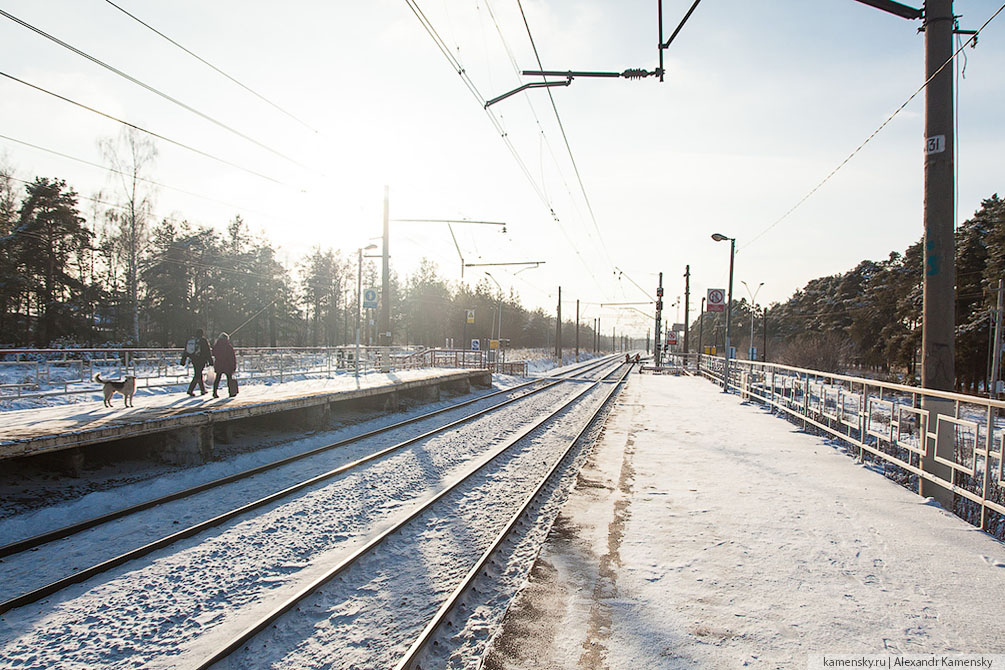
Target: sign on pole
[[476, 345], [716, 300], [493, 344], [671, 338], [370, 298], [678, 328], [471, 317]]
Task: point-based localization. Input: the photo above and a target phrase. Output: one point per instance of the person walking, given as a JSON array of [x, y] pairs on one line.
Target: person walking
[[198, 351], [225, 364]]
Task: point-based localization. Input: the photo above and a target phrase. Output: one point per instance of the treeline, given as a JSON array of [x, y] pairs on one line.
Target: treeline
[[105, 277], [869, 318]]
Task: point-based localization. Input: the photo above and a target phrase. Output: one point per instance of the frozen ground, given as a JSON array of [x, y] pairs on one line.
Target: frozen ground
[[705, 532], [538, 361], [78, 628], [26, 484]]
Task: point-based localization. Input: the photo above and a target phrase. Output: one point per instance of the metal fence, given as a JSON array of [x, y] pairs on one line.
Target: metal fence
[[886, 425], [37, 373]]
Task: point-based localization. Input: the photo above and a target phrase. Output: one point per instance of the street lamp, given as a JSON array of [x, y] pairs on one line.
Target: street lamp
[[753, 298], [359, 290], [718, 237]]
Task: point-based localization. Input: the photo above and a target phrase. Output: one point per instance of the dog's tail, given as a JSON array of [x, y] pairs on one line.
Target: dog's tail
[[98, 379]]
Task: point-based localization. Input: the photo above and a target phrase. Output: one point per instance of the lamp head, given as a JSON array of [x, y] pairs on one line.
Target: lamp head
[[719, 237], [369, 247]]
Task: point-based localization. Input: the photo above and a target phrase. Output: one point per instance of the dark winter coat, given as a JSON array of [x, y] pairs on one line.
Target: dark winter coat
[[203, 355], [226, 358]]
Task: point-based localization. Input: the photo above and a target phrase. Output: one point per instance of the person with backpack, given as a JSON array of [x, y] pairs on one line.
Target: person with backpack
[[197, 350], [225, 363]]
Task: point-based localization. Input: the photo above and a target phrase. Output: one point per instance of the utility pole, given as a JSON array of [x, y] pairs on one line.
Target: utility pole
[[701, 327], [687, 298], [577, 330], [938, 327], [764, 341], [558, 329], [996, 356], [939, 309], [384, 337], [657, 348]]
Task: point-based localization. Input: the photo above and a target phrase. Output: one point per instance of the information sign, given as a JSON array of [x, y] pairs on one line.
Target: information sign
[[370, 298]]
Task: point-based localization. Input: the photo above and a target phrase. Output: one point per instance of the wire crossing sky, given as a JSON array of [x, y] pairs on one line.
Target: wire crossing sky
[[756, 110]]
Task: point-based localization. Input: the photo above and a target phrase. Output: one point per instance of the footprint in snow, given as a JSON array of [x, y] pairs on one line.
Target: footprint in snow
[[994, 562]]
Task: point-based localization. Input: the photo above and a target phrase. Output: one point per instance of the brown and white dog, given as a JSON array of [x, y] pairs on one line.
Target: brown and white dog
[[127, 387]]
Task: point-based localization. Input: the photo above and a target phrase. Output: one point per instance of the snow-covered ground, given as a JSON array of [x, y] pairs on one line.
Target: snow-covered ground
[[252, 560], [705, 532], [51, 390]]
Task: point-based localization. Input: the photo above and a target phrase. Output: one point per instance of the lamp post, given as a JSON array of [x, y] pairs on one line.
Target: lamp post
[[718, 237], [753, 297], [359, 290]]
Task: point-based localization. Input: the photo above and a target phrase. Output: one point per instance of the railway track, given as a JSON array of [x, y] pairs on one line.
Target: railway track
[[119, 558], [385, 506]]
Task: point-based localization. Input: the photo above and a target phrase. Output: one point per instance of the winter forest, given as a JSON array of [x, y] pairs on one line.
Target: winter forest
[[95, 271]]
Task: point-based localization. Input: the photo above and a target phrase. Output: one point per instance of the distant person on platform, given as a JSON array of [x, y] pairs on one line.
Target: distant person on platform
[[197, 350], [225, 364]]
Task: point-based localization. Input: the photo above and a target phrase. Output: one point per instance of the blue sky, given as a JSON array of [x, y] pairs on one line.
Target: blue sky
[[761, 101]]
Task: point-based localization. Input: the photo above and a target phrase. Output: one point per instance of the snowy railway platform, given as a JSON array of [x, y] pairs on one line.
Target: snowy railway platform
[[705, 532], [182, 429]]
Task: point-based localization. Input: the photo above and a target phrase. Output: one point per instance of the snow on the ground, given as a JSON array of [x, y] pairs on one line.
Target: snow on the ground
[[254, 559], [539, 361], [705, 532]]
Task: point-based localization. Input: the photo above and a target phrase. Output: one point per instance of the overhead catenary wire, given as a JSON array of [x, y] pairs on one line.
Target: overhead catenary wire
[[213, 67], [565, 138], [473, 89], [148, 132], [883, 125], [150, 88]]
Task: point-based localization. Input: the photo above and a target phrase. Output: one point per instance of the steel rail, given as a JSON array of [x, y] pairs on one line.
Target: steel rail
[[348, 561], [410, 661], [72, 529], [82, 575]]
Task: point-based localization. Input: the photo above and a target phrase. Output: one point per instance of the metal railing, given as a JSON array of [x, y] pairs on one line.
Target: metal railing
[[886, 424], [38, 373]]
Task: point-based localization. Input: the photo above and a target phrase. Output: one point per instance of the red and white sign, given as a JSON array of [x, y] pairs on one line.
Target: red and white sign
[[716, 300], [671, 338]]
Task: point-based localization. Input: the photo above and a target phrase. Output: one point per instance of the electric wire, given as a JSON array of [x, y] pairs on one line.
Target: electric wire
[[622, 273], [148, 132], [546, 142], [143, 179], [530, 105], [150, 88], [94, 200], [213, 67], [565, 138], [883, 125], [473, 89]]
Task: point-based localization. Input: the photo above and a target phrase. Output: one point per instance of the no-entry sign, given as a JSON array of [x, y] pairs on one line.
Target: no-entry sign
[[716, 300]]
